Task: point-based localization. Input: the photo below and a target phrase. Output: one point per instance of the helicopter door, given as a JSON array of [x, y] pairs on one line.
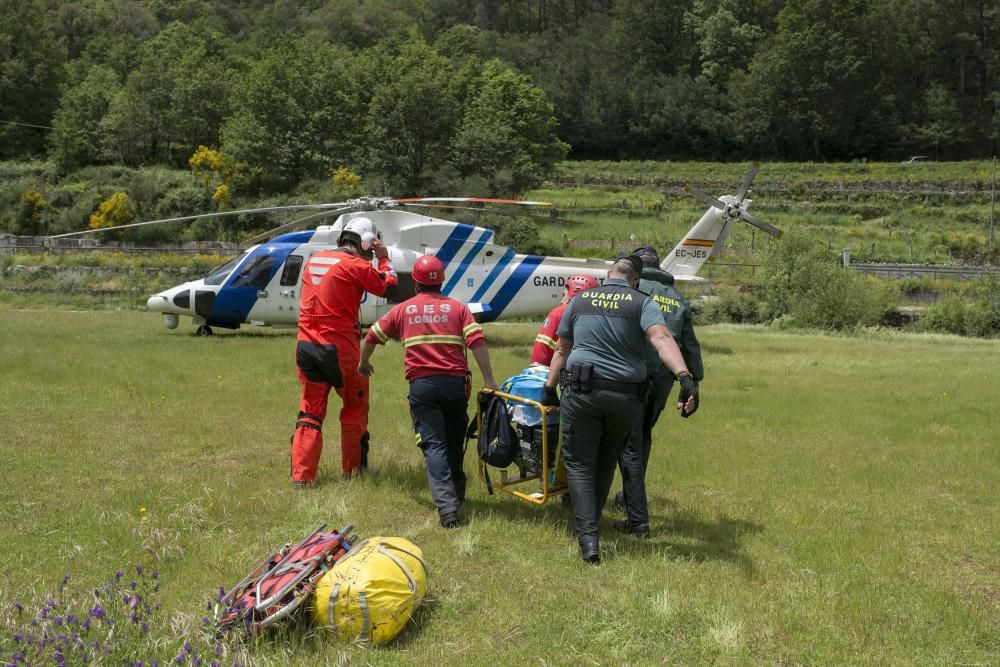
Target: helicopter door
[[283, 301]]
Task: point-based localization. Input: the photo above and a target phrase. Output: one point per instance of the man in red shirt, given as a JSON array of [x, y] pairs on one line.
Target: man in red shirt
[[435, 330], [546, 340], [328, 348]]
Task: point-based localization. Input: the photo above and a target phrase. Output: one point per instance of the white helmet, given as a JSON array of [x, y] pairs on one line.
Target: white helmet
[[360, 230]]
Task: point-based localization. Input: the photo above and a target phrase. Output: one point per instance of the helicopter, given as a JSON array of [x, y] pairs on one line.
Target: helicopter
[[261, 286]]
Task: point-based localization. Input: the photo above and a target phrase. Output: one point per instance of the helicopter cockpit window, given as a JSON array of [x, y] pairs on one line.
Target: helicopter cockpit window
[[255, 273], [290, 274], [218, 275]]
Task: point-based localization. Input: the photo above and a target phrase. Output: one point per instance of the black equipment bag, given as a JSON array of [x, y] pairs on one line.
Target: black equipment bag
[[498, 444]]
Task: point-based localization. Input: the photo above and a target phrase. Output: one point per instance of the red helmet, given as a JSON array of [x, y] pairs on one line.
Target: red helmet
[[428, 270], [578, 283]]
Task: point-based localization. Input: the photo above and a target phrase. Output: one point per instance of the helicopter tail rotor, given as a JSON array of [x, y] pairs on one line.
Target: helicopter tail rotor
[[734, 208]]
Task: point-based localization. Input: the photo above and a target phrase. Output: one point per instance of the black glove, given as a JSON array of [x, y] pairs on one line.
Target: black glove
[[550, 397], [689, 388]]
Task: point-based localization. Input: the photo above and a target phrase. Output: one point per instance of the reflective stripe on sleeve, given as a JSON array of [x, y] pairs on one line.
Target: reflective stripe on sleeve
[[546, 341], [378, 333]]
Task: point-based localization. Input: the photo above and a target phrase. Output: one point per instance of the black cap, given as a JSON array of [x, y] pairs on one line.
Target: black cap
[[648, 255], [631, 259]]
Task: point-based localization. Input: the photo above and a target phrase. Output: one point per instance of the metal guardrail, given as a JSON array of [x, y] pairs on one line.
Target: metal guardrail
[[34, 245]]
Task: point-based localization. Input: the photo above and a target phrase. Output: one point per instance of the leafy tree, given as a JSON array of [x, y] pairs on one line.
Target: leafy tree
[[411, 116], [724, 40], [507, 133], [942, 124], [30, 60], [131, 129], [296, 114], [808, 91], [76, 136]]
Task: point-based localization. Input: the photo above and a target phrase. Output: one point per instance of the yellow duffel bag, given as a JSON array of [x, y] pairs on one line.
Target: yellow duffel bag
[[371, 592]]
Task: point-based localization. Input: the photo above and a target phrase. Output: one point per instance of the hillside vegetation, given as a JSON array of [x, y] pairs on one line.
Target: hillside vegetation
[[493, 92], [933, 212]]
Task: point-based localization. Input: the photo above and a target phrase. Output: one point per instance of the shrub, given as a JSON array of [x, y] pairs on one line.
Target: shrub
[[29, 217], [114, 211], [977, 314], [804, 284], [346, 183], [731, 306]]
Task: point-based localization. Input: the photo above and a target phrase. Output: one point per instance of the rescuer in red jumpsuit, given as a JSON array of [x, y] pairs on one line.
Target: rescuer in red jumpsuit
[[546, 340], [435, 330], [328, 347]]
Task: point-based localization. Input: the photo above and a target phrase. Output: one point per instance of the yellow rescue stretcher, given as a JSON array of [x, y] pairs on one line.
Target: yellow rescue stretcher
[[542, 462]]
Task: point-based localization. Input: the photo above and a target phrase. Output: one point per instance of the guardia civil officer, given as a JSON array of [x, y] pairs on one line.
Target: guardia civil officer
[[659, 285], [435, 330], [602, 371]]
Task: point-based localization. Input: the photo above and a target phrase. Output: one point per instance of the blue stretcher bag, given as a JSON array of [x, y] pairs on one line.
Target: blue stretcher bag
[[529, 384]]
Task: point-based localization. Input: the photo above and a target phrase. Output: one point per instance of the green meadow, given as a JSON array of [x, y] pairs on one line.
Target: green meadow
[[833, 502]]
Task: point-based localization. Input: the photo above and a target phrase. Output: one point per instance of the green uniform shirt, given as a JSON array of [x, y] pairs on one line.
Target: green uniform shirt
[[608, 325], [677, 314]]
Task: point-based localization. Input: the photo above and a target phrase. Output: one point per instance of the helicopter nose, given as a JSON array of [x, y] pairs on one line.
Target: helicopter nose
[[157, 303]]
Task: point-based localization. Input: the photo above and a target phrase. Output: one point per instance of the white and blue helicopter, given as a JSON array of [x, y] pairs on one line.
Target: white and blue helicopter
[[261, 286]]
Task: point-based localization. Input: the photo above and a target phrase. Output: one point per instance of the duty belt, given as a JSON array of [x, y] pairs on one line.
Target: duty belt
[[634, 388]]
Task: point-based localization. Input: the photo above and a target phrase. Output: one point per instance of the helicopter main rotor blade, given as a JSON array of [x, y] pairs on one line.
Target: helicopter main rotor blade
[[292, 225], [472, 200], [477, 209], [702, 197], [220, 214], [747, 181], [760, 224]]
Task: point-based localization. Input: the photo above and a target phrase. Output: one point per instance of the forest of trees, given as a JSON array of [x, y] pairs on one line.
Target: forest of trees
[[493, 89]]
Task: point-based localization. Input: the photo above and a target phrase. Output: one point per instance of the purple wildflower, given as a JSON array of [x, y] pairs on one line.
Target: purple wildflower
[[97, 611], [86, 625], [138, 570], [143, 628], [187, 647], [222, 592], [204, 620], [18, 607], [196, 662], [70, 618], [119, 574], [126, 598], [180, 659], [66, 577]]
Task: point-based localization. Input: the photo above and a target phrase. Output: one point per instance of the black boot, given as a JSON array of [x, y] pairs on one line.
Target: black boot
[[640, 530], [590, 550]]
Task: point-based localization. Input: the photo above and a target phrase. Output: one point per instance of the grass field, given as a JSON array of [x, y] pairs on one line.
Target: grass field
[[834, 501]]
